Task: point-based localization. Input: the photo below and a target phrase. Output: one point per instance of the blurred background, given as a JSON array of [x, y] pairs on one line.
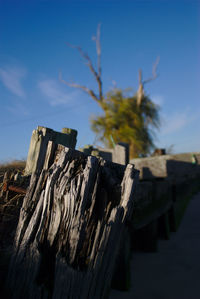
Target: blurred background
[[34, 50]]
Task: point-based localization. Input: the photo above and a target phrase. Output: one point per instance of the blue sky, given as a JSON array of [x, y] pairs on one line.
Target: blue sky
[[33, 36]]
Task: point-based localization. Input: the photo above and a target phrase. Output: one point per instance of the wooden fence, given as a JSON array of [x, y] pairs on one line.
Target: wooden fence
[[70, 226], [82, 216]]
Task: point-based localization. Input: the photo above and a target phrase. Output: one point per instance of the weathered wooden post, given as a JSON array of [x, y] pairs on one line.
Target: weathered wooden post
[[38, 145], [119, 154], [70, 227]]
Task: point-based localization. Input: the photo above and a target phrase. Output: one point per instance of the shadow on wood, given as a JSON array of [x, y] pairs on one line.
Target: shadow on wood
[[70, 227]]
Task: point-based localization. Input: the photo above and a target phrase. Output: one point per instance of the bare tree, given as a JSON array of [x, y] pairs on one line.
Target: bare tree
[[113, 123], [95, 72], [140, 92]]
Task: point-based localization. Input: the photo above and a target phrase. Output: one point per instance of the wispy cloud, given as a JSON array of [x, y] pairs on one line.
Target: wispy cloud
[[11, 77], [179, 120], [56, 95], [18, 109], [174, 123], [158, 99]]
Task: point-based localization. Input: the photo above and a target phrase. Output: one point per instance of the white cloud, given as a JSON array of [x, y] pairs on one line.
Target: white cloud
[[175, 122], [18, 109], [157, 99], [52, 90], [11, 78]]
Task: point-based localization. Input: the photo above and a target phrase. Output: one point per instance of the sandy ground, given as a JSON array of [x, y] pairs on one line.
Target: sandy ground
[[174, 271]]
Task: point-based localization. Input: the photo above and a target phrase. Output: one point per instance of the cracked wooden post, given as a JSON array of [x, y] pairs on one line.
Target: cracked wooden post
[[39, 142], [70, 227]]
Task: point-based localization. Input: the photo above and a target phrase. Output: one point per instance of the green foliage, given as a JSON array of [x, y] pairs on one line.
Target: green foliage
[[126, 121]]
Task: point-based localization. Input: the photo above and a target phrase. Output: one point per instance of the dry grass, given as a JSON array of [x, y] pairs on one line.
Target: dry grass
[[10, 203], [13, 165]]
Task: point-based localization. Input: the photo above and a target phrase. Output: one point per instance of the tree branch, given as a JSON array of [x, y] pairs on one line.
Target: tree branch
[[96, 74], [140, 92], [154, 69], [84, 88], [98, 48]]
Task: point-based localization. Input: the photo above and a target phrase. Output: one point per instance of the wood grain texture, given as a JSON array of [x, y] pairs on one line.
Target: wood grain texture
[[69, 227]]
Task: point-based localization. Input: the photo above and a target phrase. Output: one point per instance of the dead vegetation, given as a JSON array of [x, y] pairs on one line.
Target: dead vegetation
[[10, 204], [12, 183], [16, 165]]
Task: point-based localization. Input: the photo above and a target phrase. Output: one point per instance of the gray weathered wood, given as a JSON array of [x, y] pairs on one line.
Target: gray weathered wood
[[39, 146], [69, 227]]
